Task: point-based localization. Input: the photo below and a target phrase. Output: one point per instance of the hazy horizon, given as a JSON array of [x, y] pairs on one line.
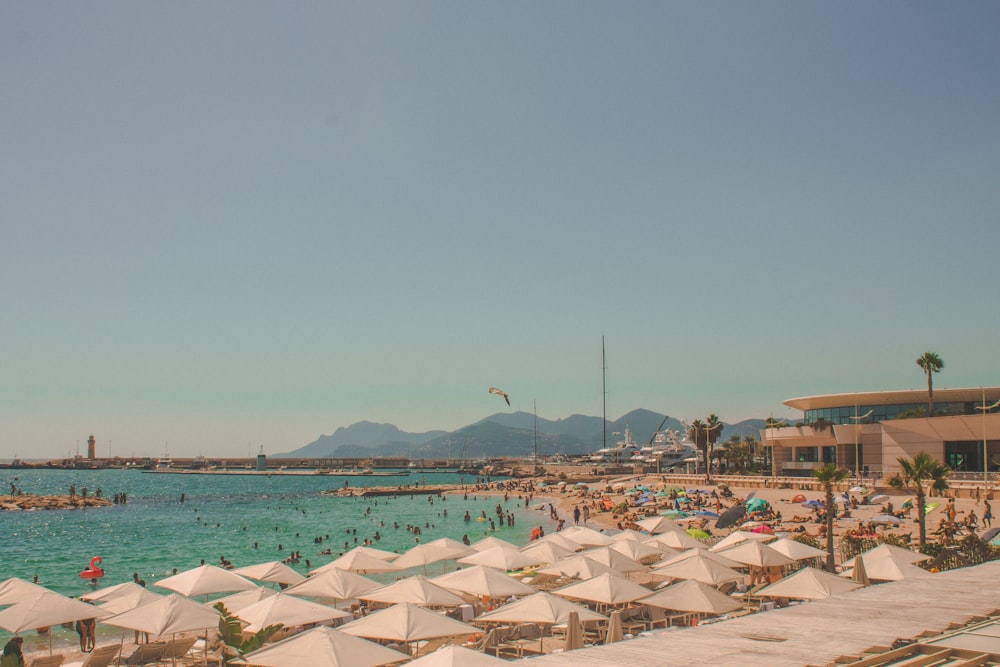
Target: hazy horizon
[[242, 225]]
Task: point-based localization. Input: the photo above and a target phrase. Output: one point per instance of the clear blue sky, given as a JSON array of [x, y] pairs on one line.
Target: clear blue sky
[[230, 225]]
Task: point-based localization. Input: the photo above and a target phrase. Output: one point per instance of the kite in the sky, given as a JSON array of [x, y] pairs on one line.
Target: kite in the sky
[[500, 392]]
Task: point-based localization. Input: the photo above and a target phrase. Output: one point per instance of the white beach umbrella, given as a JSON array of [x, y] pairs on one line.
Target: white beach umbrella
[[490, 542], [890, 568], [695, 553], [615, 560], [889, 551], [692, 597], [502, 558], [809, 583], [322, 647], [607, 588], [586, 537], [547, 552], [237, 601], [555, 538], [656, 525], [756, 554], [416, 590], [46, 609], [676, 541], [274, 572], [432, 552], [111, 592], [287, 610], [457, 656], [15, 590], [738, 537], [699, 568], [334, 584], [381, 554], [128, 600], [796, 550], [359, 561], [637, 551], [541, 607], [480, 580], [205, 580], [578, 567], [407, 623], [167, 615]]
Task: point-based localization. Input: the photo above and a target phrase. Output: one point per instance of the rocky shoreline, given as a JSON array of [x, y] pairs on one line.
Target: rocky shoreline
[[32, 502]]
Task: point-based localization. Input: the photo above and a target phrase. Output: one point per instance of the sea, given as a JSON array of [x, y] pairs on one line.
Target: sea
[[246, 519]]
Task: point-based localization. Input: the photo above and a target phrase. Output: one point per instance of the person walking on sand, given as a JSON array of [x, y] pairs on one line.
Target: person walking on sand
[[576, 515], [987, 514]]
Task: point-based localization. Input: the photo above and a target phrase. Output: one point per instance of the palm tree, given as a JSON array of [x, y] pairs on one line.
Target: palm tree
[[922, 469], [930, 363], [829, 475], [705, 434]]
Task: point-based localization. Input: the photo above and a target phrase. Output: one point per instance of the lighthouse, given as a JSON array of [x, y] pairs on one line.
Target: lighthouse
[[92, 448]]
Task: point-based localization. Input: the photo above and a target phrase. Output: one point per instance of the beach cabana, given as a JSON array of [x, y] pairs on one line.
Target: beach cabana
[[480, 580], [808, 583], [288, 610], [206, 580], [274, 572], [334, 584], [322, 647], [416, 590], [407, 623]]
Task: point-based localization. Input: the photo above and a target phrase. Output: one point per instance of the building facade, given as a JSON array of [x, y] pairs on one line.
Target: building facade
[[868, 432]]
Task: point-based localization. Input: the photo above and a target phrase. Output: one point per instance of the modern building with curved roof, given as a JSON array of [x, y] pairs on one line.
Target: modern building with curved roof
[[870, 431]]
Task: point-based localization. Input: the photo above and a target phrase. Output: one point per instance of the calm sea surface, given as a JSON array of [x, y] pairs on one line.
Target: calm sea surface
[[223, 515]]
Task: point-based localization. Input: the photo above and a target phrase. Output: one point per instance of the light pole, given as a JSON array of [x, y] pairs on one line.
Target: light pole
[[984, 409], [773, 423], [857, 446]]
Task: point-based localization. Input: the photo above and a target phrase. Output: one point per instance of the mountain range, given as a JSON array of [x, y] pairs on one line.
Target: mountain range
[[502, 434]]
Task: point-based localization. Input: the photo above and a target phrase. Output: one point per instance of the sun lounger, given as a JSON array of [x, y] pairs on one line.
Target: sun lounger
[[47, 661], [146, 654], [102, 656], [176, 648]]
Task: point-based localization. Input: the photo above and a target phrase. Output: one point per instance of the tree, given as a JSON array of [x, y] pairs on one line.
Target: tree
[[923, 469], [930, 363], [829, 475]]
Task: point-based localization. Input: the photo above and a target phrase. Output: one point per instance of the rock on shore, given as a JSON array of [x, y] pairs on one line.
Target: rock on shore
[[29, 502]]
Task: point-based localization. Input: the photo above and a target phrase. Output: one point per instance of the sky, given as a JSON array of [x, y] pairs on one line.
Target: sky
[[230, 226]]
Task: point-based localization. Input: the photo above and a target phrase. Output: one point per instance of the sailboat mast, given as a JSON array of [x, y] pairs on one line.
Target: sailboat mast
[[534, 405], [604, 397]]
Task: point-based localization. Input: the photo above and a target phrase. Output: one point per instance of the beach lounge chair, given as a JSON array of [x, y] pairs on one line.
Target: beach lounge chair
[[146, 654], [102, 656], [176, 649], [47, 661]]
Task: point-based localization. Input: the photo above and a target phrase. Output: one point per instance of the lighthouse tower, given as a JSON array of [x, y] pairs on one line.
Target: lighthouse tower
[[92, 447]]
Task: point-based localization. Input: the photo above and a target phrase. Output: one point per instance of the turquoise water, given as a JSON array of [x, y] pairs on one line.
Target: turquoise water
[[225, 515]]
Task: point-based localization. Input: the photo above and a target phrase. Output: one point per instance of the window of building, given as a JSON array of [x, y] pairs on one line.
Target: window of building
[[807, 454], [964, 456]]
